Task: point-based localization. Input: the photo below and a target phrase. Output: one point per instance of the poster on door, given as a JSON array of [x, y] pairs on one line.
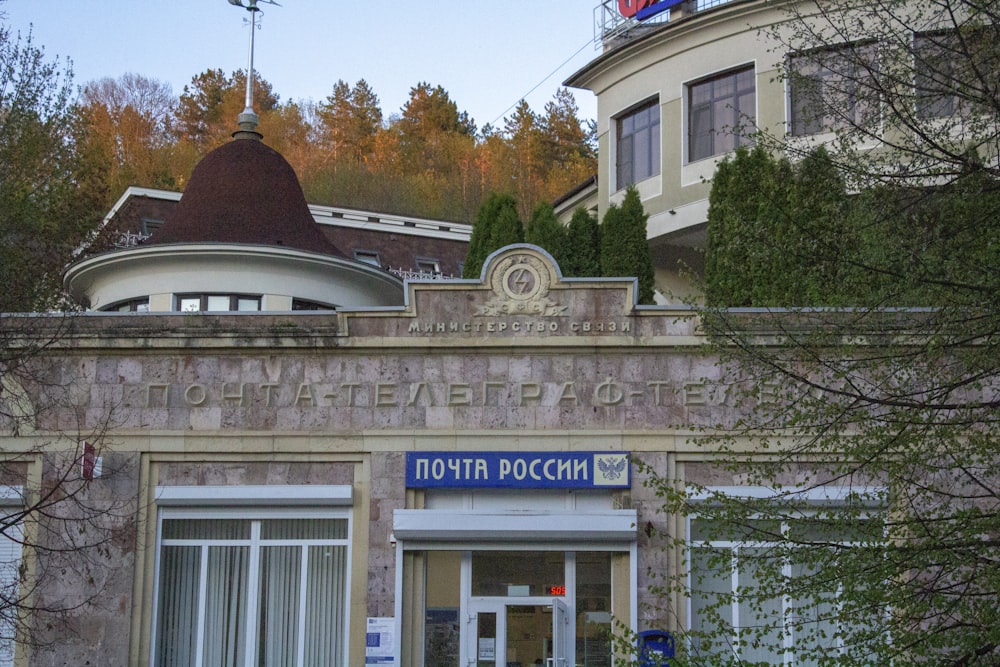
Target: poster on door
[[487, 648], [379, 641]]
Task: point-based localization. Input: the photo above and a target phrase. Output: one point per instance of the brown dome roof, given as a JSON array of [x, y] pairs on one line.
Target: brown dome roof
[[244, 192]]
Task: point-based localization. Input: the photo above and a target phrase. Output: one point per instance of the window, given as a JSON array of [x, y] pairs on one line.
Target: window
[[426, 265], [727, 562], [148, 226], [832, 89], [368, 257], [954, 71], [239, 591], [10, 564], [638, 156], [303, 304], [130, 306], [722, 111], [193, 303]]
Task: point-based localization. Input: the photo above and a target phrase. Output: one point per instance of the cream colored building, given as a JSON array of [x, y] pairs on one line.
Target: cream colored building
[[674, 94]]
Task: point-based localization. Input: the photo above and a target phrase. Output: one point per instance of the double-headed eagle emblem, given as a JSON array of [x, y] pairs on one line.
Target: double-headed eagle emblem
[[612, 468]]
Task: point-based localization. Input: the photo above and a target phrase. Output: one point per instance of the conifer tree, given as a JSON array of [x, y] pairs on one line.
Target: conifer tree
[[746, 208], [583, 246], [624, 248], [496, 225], [545, 231]]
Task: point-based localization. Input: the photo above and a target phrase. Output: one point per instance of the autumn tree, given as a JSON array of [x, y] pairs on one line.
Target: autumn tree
[[350, 119], [525, 137], [126, 125], [539, 156], [208, 106], [570, 144], [434, 144], [430, 127]]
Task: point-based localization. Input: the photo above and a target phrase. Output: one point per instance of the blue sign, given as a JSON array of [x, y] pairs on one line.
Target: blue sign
[[656, 8], [656, 647], [517, 470]]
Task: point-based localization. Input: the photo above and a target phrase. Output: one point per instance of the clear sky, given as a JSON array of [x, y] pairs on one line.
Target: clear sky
[[486, 54]]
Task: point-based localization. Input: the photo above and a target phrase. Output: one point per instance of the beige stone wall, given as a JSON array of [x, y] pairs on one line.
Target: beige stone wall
[[522, 362]]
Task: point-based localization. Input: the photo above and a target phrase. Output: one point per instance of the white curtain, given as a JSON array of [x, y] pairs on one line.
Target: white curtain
[[226, 607], [325, 595], [10, 563], [280, 577], [761, 622], [177, 633]]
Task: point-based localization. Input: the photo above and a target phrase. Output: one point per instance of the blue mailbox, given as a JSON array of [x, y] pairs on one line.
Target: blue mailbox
[[656, 648]]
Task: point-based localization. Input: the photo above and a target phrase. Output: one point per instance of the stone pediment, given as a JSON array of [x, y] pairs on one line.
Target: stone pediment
[[521, 292]]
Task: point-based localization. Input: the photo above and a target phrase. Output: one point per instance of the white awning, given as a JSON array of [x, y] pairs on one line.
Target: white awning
[[312, 495], [467, 526]]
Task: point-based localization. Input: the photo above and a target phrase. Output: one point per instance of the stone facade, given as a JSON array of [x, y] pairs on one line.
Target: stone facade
[[524, 361]]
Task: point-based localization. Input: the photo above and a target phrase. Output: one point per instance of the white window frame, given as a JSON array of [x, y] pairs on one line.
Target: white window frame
[[11, 500], [255, 504], [236, 302], [811, 499]]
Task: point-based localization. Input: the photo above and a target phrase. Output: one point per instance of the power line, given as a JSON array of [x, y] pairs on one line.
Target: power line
[[547, 77]]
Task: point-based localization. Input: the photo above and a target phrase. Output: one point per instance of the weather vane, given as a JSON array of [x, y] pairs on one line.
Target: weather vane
[[248, 119]]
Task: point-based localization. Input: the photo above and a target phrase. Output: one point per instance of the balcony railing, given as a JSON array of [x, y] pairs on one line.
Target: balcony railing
[[407, 274], [610, 26], [130, 239]]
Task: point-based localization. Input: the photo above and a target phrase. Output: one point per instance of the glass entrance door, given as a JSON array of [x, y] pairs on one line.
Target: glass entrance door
[[517, 608], [518, 632]]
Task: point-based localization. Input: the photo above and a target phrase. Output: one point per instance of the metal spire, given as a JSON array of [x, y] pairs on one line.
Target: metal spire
[[248, 119]]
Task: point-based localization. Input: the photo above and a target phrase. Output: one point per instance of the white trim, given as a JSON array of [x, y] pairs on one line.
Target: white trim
[[468, 526], [324, 495], [11, 495], [397, 650], [390, 224], [827, 494]]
